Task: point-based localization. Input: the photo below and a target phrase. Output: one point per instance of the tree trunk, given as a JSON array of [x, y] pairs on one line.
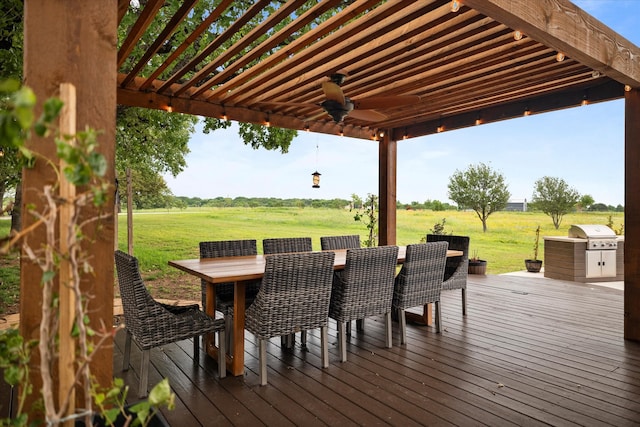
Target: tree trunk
[[16, 213]]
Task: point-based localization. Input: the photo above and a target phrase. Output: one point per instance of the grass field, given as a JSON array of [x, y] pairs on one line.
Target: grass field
[[160, 236]]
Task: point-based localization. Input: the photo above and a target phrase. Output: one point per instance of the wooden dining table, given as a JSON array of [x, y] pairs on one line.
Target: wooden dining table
[[240, 270]]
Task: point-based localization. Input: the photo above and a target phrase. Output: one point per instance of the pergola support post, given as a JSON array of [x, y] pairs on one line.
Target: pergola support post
[[387, 177], [72, 41], [632, 216]]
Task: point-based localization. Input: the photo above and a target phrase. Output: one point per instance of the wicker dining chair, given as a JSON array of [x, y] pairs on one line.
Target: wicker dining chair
[[152, 324], [294, 296], [456, 270], [420, 281], [224, 291], [340, 242], [282, 245], [364, 289]]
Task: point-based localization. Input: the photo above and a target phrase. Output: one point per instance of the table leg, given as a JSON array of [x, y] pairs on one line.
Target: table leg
[[425, 319], [235, 362]]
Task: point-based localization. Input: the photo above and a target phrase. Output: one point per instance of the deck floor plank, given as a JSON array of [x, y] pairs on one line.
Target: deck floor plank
[[529, 352]]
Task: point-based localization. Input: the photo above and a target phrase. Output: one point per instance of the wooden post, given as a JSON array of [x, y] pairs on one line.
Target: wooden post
[[67, 296], [632, 217], [387, 176], [72, 41]]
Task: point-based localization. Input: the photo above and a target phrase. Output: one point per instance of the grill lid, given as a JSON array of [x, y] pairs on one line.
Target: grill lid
[[591, 231]]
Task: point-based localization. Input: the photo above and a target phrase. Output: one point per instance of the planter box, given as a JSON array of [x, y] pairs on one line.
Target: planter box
[[478, 267]]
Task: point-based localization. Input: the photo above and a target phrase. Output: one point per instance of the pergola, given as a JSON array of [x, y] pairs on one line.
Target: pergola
[[460, 63]]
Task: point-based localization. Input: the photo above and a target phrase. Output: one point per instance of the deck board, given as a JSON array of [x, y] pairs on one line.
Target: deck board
[[529, 352]]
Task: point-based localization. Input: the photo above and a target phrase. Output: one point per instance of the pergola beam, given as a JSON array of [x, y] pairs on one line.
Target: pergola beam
[[567, 28]]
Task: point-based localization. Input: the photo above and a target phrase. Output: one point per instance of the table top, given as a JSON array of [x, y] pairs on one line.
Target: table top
[[240, 268]]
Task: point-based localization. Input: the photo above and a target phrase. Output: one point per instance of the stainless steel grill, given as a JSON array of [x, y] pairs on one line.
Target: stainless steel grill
[[599, 237], [602, 245]]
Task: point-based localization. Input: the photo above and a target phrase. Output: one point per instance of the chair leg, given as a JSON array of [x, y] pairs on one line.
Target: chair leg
[[127, 351], [464, 302], [438, 317], [228, 327], [387, 329], [324, 338], [360, 325], [222, 350], [403, 326], [144, 374], [303, 339], [342, 335], [262, 345], [349, 328], [196, 348]]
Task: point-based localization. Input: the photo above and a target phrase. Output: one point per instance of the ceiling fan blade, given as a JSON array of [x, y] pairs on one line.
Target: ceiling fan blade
[[333, 92], [367, 115], [385, 101]]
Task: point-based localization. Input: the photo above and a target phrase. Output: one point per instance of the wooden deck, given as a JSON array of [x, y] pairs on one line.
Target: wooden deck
[[529, 352]]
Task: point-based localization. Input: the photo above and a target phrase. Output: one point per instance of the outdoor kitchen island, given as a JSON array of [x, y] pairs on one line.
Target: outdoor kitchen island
[[590, 253]]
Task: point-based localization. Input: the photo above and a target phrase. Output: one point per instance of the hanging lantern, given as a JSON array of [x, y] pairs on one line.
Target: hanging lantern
[[316, 179]]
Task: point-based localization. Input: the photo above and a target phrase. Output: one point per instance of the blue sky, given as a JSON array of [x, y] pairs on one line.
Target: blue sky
[[582, 145]]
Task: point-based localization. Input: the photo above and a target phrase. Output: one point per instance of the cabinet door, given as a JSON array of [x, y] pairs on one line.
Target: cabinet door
[[593, 267], [608, 263]]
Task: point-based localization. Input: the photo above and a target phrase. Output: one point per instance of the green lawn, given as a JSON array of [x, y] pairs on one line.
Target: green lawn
[[160, 236]]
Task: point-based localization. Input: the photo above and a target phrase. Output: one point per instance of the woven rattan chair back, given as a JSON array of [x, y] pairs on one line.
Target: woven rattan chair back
[[457, 268], [364, 289], [420, 280], [340, 242], [286, 245], [228, 248], [294, 296], [152, 324]]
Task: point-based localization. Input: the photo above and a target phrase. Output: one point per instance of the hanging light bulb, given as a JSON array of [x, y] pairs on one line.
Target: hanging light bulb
[[560, 56], [585, 100], [627, 88], [517, 35], [267, 123], [527, 112], [455, 6]]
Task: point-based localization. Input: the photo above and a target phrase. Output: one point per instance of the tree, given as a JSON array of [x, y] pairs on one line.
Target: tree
[[554, 197], [481, 189], [585, 202]]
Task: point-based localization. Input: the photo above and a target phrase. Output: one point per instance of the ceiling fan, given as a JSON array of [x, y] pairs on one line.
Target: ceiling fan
[[339, 106]]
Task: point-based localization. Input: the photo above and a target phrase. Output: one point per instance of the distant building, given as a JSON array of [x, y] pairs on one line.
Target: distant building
[[516, 205]]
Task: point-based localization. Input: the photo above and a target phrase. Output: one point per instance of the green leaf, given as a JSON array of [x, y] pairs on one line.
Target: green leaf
[[48, 276]]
